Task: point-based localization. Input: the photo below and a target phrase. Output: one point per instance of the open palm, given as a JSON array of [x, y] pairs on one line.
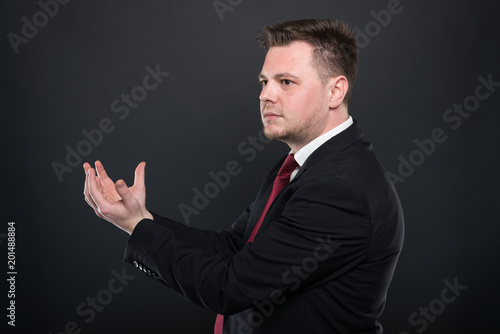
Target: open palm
[[108, 189]]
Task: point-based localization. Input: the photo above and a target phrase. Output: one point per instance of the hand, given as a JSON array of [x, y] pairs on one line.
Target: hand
[[120, 205], [138, 190]]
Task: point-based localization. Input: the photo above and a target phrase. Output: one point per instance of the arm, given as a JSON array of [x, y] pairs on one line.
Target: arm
[[226, 242], [320, 233]]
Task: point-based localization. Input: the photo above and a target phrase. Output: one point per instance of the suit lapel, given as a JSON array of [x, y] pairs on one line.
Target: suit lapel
[[327, 151], [261, 199]]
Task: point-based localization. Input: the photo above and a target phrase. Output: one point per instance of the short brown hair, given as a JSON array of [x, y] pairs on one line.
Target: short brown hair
[[334, 43]]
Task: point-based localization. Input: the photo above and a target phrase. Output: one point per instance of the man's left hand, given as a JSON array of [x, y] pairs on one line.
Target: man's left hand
[[124, 210]]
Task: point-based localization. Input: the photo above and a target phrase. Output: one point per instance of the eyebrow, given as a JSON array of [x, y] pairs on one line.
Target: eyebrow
[[279, 76]]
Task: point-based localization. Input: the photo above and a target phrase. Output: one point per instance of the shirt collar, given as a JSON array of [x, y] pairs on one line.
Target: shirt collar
[[304, 153]]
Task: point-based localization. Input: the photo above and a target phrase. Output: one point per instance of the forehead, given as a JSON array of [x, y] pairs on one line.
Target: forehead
[[295, 57]]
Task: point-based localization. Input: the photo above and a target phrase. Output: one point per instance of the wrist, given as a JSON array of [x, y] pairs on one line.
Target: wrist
[[129, 228], [148, 215]]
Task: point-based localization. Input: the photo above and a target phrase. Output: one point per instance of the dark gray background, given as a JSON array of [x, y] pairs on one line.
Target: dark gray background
[[62, 81]]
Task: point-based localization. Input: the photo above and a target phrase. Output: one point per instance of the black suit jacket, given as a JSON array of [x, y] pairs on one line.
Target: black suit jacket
[[321, 262]]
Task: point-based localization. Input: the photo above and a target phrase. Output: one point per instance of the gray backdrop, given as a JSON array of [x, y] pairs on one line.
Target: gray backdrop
[[427, 96]]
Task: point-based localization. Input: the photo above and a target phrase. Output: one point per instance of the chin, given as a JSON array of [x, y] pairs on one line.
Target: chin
[[275, 134]]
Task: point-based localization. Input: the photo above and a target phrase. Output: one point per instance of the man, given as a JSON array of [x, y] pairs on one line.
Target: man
[[316, 251]]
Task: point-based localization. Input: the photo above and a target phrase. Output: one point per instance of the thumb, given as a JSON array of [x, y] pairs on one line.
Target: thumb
[[140, 173], [124, 192]]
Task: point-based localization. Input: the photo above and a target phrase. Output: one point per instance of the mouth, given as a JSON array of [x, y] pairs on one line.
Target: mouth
[[270, 116]]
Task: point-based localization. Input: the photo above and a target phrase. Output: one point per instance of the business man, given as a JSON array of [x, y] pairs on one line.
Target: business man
[[316, 251]]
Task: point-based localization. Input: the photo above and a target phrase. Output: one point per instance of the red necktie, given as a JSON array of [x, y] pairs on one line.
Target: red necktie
[[281, 180]]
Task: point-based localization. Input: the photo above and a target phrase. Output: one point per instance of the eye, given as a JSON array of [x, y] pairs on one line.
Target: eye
[[263, 83], [286, 82]]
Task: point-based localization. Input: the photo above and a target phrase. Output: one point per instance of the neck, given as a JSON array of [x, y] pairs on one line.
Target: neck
[[335, 118]]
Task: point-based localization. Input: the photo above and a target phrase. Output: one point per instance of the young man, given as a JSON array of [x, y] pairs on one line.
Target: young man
[[316, 251]]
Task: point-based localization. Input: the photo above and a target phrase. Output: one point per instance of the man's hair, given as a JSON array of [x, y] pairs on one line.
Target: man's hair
[[334, 43]]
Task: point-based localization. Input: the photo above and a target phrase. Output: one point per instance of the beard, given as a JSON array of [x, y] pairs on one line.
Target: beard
[[282, 134], [271, 131], [289, 128], [288, 133]]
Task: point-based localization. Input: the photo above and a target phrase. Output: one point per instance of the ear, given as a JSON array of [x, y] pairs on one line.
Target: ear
[[338, 89]]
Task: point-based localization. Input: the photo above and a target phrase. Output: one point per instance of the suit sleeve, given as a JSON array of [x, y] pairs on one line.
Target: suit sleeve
[[324, 228], [213, 242]]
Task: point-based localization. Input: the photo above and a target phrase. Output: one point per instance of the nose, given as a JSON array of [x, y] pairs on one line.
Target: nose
[[268, 93]]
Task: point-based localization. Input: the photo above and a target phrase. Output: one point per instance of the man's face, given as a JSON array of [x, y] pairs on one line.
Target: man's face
[[293, 102]]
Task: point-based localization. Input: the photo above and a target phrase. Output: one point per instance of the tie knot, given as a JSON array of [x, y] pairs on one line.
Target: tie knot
[[288, 166]]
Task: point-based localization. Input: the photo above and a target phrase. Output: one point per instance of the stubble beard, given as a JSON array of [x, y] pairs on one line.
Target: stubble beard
[[296, 133], [278, 133]]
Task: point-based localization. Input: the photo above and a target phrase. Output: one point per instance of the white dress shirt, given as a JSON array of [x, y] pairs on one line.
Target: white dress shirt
[[304, 153]]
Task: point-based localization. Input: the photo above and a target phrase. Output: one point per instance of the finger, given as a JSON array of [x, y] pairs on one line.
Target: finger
[[101, 172], [86, 193], [88, 197], [124, 192], [140, 173], [99, 185], [105, 184], [86, 167], [95, 195]]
